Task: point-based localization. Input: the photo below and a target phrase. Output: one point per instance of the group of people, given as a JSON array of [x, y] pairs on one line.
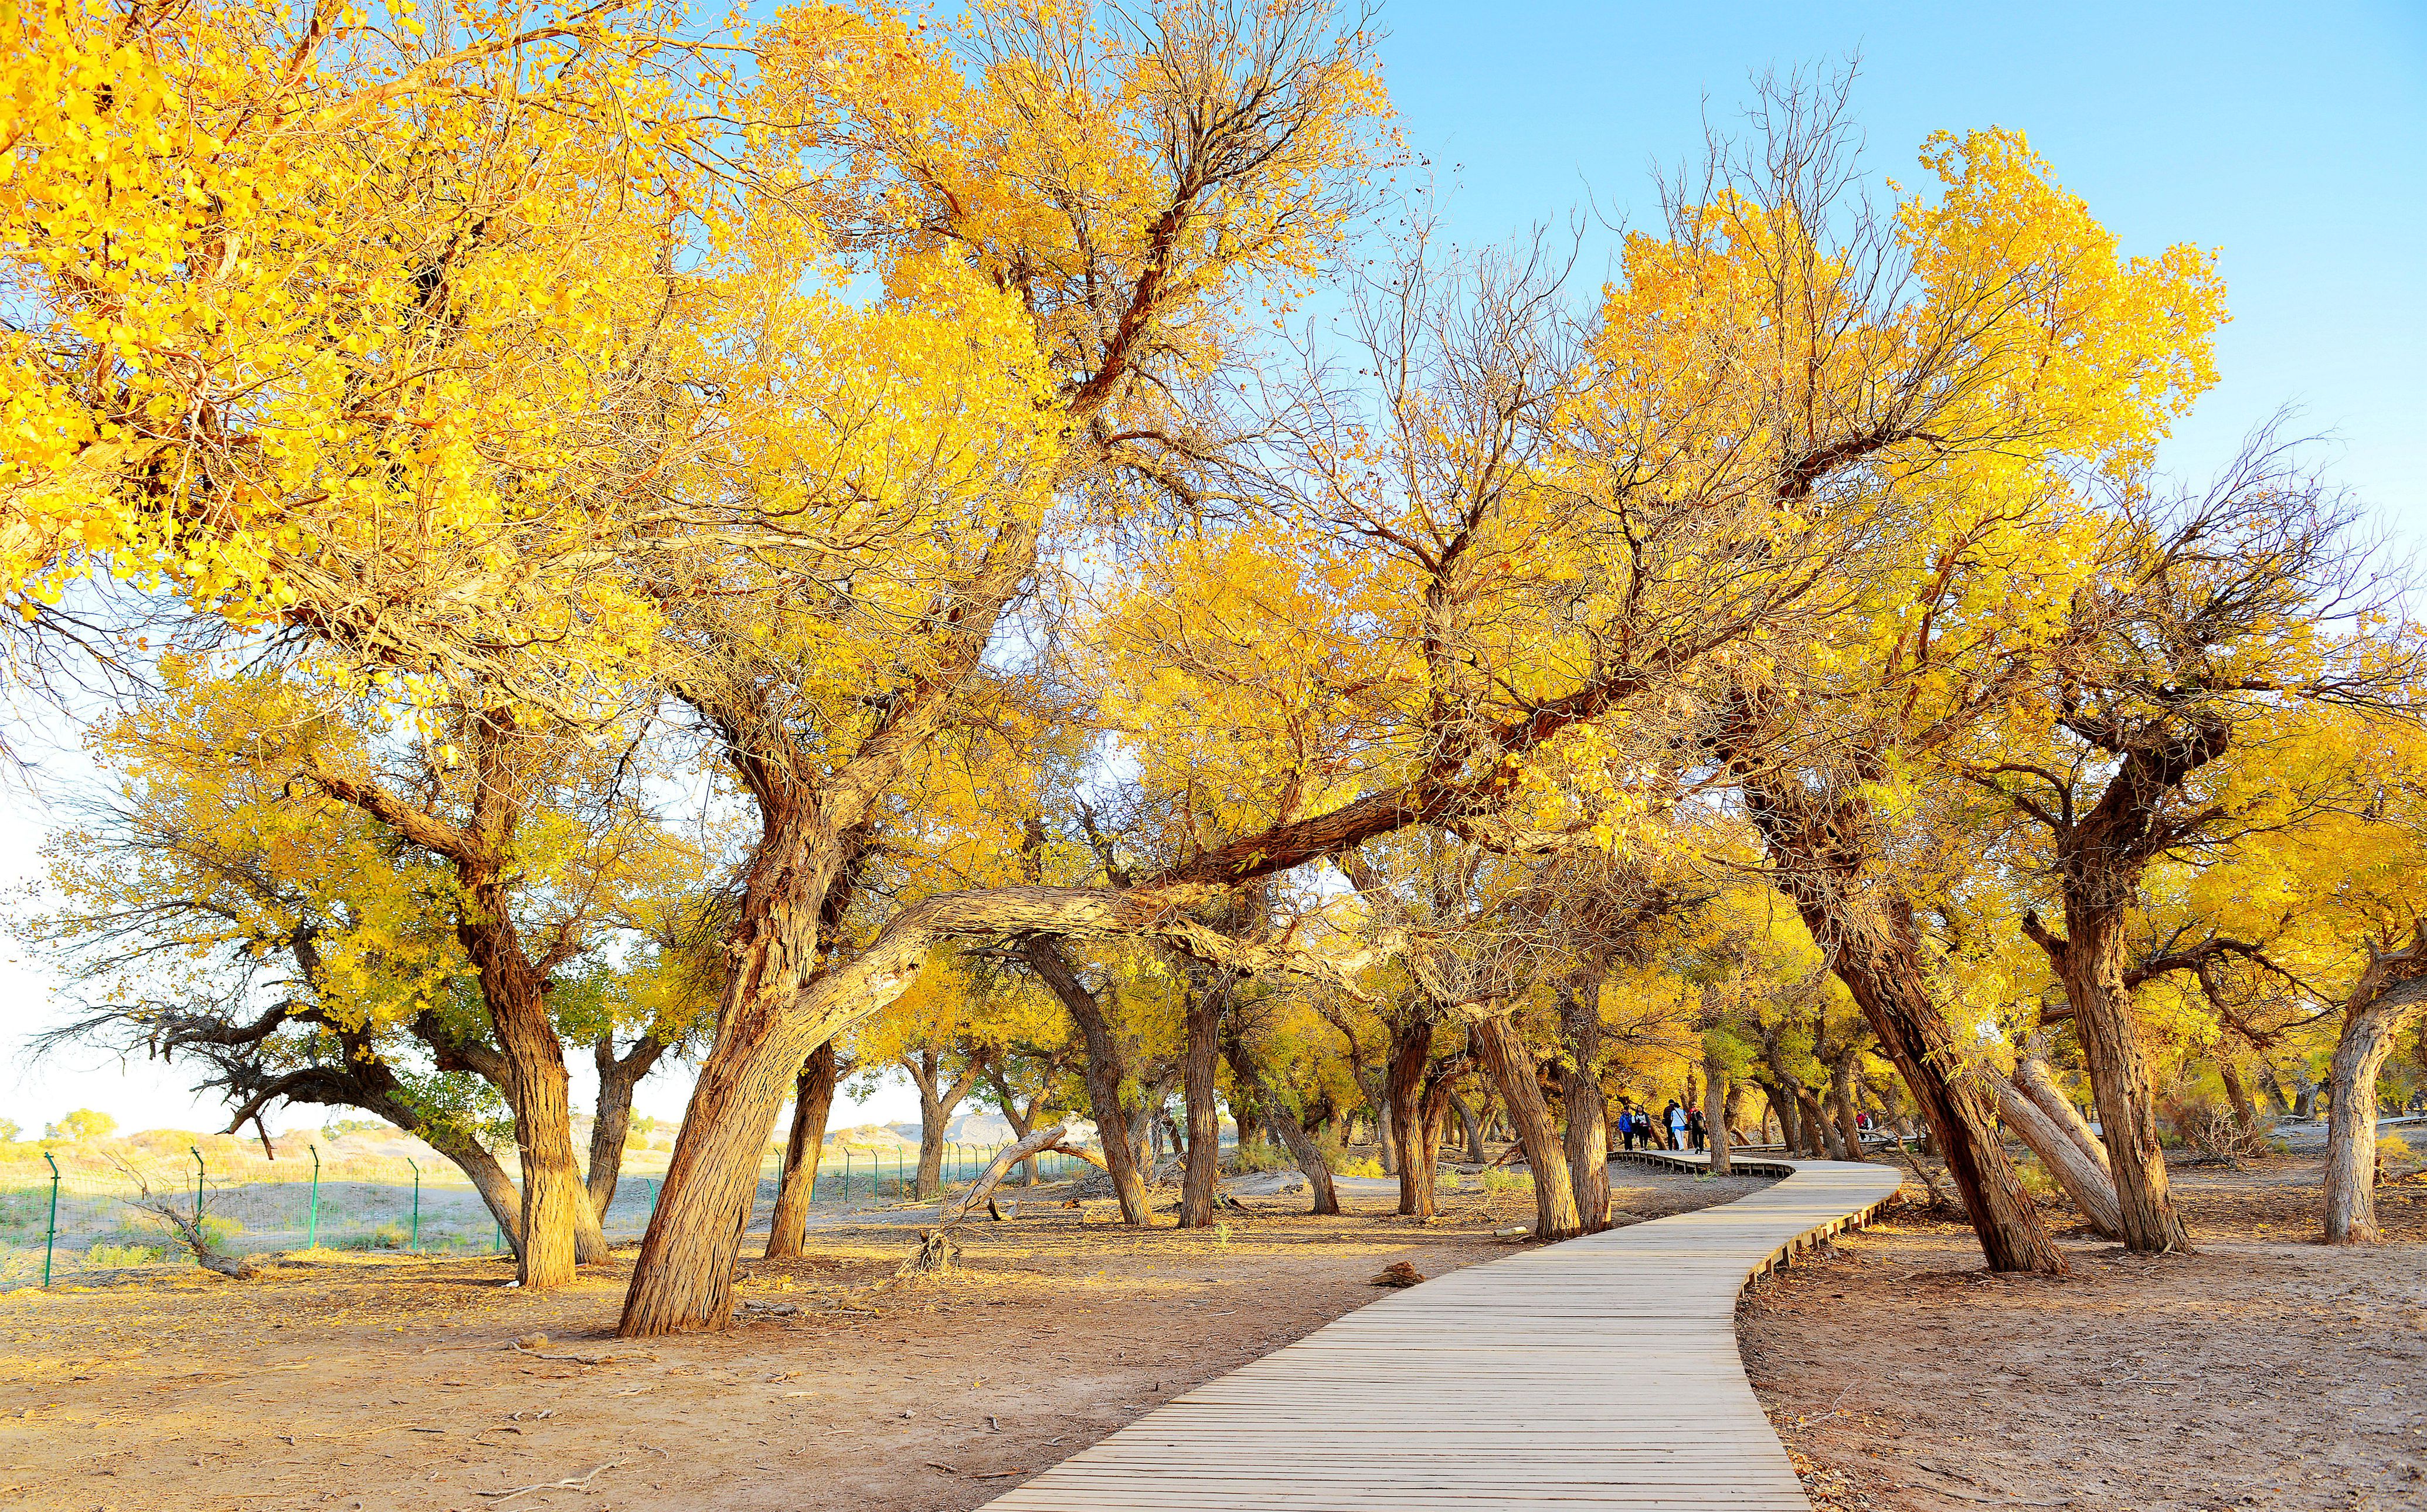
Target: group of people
[[1675, 1127]]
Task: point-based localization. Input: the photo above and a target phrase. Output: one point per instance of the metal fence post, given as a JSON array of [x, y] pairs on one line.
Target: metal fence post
[[52, 1237], [311, 1235], [415, 1242], [197, 1154], [846, 1177]]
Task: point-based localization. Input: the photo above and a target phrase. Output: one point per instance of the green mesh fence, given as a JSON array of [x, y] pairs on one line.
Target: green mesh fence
[[70, 1215]]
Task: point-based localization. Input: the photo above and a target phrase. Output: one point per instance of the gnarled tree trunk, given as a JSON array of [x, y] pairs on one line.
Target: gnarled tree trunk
[[2391, 991], [1819, 842], [2236, 1095], [2090, 963], [1199, 1063], [1101, 1068], [1302, 1149], [1723, 1093], [1587, 1131], [1411, 1038], [1841, 1092], [1503, 1054]]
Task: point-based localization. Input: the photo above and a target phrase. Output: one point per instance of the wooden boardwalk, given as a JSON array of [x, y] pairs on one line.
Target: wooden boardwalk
[[1599, 1373]]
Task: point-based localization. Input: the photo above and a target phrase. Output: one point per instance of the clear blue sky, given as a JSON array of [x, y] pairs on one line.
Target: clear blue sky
[[2292, 138]]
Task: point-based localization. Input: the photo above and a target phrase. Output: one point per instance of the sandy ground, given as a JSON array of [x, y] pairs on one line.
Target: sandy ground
[[2264, 1372], [386, 1383]]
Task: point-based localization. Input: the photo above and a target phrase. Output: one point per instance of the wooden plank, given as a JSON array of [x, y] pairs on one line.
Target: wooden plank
[[1600, 1373]]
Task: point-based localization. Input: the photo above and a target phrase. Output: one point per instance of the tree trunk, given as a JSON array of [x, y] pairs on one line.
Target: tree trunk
[[2246, 1112], [2089, 962], [1587, 1131], [1101, 1070], [1505, 1056], [617, 1077], [1819, 842], [812, 1102], [1432, 1111], [488, 1175], [1199, 1064], [553, 1194], [2084, 1180], [1386, 1134], [933, 1120], [1411, 1039], [2390, 992], [1474, 1126], [2031, 1075], [1889, 983], [2273, 1087], [1302, 1149], [1841, 1092], [1819, 1128], [1790, 1116], [1721, 1091]]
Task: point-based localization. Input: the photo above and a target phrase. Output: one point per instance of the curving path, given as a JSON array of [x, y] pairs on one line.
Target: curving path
[[1598, 1373]]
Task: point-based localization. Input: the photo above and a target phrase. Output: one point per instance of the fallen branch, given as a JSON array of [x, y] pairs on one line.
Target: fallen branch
[[936, 1247], [1939, 1201], [571, 1483], [580, 1359], [190, 1227]]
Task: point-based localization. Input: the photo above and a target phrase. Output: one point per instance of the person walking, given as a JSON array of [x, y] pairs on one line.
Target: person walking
[[1694, 1128], [1674, 1118], [1626, 1124]]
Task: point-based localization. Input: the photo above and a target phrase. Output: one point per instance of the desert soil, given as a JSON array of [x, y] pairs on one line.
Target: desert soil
[[2265, 1372], [394, 1383]]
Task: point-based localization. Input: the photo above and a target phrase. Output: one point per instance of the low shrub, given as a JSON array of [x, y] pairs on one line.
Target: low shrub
[[1263, 1155], [1369, 1166], [1496, 1182]]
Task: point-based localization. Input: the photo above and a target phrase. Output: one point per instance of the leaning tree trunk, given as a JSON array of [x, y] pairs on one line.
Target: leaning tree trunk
[[1587, 1131], [2032, 1076], [2091, 964], [2391, 991], [2273, 1086], [1503, 1054], [488, 1175], [2236, 1095], [1411, 1040], [1199, 1062], [1889, 983], [1819, 845], [1302, 1149], [1827, 1141], [2084, 1180], [1790, 1116], [1474, 1126], [1101, 1069], [812, 1102]]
